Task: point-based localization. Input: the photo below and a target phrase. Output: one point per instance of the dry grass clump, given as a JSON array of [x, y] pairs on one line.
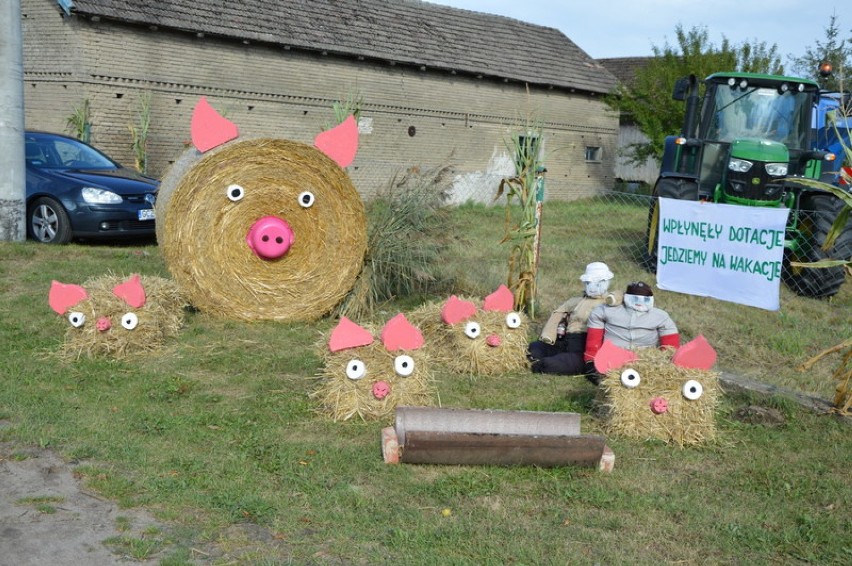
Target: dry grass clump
[[202, 232], [628, 413], [341, 398], [160, 318], [453, 349], [409, 230]]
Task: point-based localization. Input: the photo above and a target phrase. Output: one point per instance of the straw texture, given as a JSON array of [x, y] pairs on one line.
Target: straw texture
[[160, 318], [450, 347], [628, 413], [340, 398], [203, 233]]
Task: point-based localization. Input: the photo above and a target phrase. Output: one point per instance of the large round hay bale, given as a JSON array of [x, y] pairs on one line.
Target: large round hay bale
[[209, 205]]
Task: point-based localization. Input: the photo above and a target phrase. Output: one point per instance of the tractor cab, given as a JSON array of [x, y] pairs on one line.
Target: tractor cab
[[754, 140], [750, 132]]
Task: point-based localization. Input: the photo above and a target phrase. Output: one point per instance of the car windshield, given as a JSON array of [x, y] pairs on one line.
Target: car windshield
[[48, 152], [760, 113]]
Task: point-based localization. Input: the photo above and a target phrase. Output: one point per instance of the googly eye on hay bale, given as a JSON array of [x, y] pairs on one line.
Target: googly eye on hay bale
[[660, 394], [116, 316], [368, 378], [262, 229], [481, 341]]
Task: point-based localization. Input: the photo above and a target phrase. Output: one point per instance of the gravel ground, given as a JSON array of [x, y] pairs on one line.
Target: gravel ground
[[47, 518]]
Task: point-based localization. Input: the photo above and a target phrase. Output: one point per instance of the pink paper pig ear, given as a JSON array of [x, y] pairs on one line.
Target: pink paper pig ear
[[611, 356], [347, 334], [501, 300], [697, 354], [399, 334], [131, 291], [340, 143], [210, 129], [64, 296], [456, 310]]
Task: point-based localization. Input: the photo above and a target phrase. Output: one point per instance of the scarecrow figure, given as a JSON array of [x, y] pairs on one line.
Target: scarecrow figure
[[636, 323], [559, 349]]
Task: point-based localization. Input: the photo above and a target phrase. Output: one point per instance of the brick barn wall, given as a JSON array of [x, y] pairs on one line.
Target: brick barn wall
[[270, 91]]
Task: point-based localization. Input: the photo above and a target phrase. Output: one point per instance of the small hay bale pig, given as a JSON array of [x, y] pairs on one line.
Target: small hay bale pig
[[369, 378], [667, 394], [115, 316], [479, 341]]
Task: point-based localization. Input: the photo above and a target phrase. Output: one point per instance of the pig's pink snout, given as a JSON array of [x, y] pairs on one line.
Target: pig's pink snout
[[381, 389], [270, 237], [493, 340], [659, 405], [103, 324]]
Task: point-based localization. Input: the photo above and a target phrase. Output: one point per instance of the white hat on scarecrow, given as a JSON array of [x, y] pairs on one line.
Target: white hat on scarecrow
[[596, 279]]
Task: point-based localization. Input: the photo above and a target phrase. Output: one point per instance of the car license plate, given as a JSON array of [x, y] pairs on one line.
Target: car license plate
[[146, 214]]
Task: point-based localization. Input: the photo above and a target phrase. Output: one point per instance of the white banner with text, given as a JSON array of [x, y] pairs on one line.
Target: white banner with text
[[732, 253]]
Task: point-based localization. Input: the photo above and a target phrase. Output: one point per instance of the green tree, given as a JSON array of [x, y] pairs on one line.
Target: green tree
[[834, 50], [648, 99]]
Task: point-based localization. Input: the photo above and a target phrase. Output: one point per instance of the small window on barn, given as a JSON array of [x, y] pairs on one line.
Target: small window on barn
[[593, 153]]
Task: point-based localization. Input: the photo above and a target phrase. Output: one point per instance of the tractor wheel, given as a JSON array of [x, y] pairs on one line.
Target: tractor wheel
[[818, 212], [667, 187]]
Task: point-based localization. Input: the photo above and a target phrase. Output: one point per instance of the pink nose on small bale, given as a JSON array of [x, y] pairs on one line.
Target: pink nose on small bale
[[381, 389], [493, 340], [659, 405], [270, 237], [103, 324]]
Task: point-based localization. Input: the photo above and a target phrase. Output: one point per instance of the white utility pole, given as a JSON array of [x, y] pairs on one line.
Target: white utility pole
[[12, 169]]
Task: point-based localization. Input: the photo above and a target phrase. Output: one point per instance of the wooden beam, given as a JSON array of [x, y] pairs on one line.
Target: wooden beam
[[430, 447]]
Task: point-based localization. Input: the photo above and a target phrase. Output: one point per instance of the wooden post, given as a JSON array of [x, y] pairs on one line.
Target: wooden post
[[427, 435]]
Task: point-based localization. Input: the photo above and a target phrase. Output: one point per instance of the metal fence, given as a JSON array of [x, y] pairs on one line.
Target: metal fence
[[615, 225]]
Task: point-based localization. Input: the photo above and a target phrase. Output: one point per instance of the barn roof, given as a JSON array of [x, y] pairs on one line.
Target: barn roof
[[407, 32], [625, 68]]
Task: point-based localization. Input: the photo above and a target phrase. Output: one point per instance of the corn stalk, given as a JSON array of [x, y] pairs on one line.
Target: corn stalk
[[843, 217], [78, 123], [139, 133], [345, 107], [843, 373], [521, 228]]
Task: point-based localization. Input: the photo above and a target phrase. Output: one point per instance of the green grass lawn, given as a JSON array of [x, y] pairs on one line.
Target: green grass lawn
[[217, 436]]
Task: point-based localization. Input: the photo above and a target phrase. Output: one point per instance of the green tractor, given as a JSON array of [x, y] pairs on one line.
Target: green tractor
[[745, 142]]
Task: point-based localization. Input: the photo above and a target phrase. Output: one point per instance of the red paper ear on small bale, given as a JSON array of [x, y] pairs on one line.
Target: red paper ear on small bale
[[501, 300], [63, 296], [131, 291], [697, 354], [399, 334], [611, 356], [347, 334], [456, 310]]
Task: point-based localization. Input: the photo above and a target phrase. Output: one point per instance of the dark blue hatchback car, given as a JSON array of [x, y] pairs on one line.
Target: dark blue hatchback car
[[75, 191]]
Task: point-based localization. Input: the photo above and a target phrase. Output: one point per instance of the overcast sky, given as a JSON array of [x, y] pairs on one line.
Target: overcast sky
[[626, 28]]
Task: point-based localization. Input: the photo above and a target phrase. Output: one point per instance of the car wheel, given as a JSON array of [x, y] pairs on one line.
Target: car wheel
[[48, 222]]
